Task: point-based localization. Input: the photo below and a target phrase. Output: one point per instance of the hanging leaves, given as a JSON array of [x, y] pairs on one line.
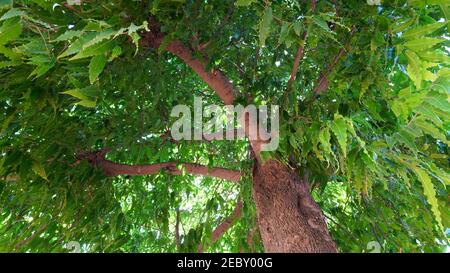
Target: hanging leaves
[[339, 128], [429, 192], [265, 25]]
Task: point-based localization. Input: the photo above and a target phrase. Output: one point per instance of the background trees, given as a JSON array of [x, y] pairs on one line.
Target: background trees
[[363, 91]]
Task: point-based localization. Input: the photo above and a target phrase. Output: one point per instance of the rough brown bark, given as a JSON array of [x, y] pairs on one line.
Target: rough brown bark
[[289, 220]]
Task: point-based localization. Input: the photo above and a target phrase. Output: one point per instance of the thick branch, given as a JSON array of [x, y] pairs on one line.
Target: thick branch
[[215, 78], [322, 82], [224, 226], [112, 169]]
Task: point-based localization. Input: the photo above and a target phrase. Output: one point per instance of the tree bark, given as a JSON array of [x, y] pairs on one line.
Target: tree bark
[[289, 220]]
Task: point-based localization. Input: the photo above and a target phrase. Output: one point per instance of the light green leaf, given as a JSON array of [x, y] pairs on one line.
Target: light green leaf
[[12, 13], [317, 20], [324, 139], [99, 37], [403, 25], [10, 30], [422, 31], [86, 103], [429, 193], [244, 3], [297, 28], [339, 128], [77, 93], [283, 33], [414, 68], [39, 170], [435, 56], [97, 49], [76, 46], [68, 35], [264, 26], [423, 43], [96, 67], [429, 128]]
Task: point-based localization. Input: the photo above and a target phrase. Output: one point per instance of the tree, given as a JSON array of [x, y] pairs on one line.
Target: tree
[[87, 89]]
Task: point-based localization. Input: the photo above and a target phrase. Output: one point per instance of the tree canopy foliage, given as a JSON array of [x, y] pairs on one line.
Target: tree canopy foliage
[[363, 89]]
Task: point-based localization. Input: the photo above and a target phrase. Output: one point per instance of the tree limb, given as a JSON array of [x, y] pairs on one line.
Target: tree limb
[[112, 169], [224, 226], [322, 82], [300, 51], [215, 78]]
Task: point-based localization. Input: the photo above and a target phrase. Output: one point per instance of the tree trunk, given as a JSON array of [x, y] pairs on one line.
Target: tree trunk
[[289, 220]]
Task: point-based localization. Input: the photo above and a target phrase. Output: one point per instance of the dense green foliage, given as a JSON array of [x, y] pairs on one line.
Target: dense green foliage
[[76, 78]]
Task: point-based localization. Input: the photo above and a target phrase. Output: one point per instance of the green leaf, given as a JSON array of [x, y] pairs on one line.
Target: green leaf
[[97, 49], [317, 20], [5, 4], [429, 128], [244, 3], [68, 35], [10, 30], [12, 13], [283, 33], [404, 25], [264, 26], [39, 170], [423, 43], [339, 128], [96, 67], [297, 28], [76, 93], [436, 56], [422, 31], [133, 33], [324, 139], [414, 68], [76, 46], [99, 37], [429, 193], [86, 103]]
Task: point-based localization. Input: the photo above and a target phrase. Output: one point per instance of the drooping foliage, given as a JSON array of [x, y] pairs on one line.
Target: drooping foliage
[[366, 119]]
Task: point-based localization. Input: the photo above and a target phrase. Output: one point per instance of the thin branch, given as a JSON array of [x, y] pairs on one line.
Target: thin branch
[[70, 7], [250, 237], [31, 238], [224, 226], [112, 169], [177, 231], [300, 51], [322, 82]]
